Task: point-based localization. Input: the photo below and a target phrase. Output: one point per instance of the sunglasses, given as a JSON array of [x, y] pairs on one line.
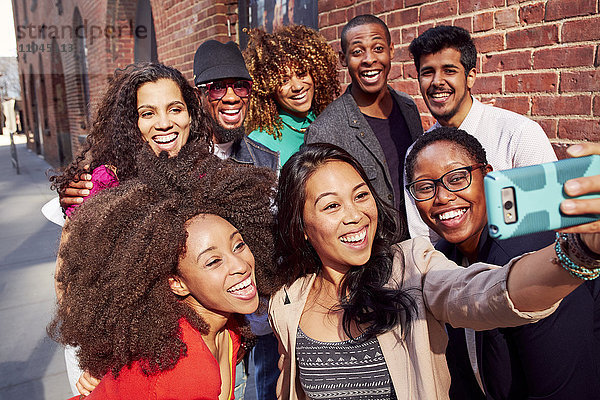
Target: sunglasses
[[217, 90]]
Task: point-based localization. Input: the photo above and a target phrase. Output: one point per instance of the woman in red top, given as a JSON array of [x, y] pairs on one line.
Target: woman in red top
[[156, 273]]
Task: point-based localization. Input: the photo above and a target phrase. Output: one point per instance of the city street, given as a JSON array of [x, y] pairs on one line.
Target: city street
[[31, 365]]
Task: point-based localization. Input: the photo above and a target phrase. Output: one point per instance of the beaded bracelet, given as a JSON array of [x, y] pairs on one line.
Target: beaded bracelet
[[568, 264]]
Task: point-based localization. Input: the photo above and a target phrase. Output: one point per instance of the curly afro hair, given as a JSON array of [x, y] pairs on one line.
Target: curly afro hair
[[299, 48], [115, 137], [124, 243]]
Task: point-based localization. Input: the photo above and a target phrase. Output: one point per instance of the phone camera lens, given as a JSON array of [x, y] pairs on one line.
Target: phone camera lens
[[493, 229], [508, 205]]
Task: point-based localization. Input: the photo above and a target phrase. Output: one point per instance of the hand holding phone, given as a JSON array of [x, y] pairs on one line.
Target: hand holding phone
[[527, 199]]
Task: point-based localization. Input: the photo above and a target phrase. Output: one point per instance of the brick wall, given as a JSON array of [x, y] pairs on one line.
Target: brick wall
[[182, 26], [537, 58]]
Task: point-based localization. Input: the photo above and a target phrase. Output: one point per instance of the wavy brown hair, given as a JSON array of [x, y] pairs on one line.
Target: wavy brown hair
[[124, 244], [115, 138], [299, 48]]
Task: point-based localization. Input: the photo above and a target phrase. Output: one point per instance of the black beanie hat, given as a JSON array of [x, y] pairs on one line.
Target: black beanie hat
[[215, 60]]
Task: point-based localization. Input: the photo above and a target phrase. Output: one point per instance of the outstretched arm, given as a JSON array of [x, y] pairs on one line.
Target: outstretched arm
[[539, 280]]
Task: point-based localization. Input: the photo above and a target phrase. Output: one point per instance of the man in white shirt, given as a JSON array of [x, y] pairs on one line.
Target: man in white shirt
[[445, 58]]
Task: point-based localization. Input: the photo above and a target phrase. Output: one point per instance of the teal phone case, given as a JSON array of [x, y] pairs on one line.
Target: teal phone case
[[538, 192]]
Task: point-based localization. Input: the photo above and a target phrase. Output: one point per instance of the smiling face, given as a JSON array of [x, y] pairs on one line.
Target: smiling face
[[445, 87], [296, 94], [163, 117], [368, 57], [228, 113], [459, 217], [340, 216], [216, 274]]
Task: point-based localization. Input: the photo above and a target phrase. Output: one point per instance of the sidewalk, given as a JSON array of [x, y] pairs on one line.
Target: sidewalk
[[31, 365]]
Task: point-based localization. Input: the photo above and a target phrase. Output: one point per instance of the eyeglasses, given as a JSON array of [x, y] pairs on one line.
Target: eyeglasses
[[454, 181], [217, 90]]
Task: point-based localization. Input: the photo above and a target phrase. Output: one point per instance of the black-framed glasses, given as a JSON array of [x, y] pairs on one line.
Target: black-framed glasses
[[217, 90], [454, 181]]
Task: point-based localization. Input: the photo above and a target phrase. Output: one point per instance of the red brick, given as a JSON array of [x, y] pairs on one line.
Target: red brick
[[427, 121], [532, 13], [465, 23], [487, 43], [328, 5], [558, 9], [421, 106], [561, 105], [438, 10], [329, 33], [377, 7], [560, 149], [507, 61], [396, 71], [487, 84], [350, 13], [506, 18], [364, 8], [563, 57], [323, 19], [549, 126], [401, 53], [580, 81], [408, 34], [596, 105], [533, 37], [531, 82], [411, 87], [408, 3], [597, 57], [466, 6], [519, 104], [389, 5], [410, 71], [483, 21], [403, 17], [579, 128], [337, 17], [395, 35], [423, 27], [581, 30]]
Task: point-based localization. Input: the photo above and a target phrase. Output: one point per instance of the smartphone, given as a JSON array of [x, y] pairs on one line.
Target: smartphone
[[527, 199]]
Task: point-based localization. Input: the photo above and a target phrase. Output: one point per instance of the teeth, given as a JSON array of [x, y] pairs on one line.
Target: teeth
[[243, 284], [440, 95], [451, 214], [355, 237], [230, 112], [370, 74], [165, 138], [299, 97]]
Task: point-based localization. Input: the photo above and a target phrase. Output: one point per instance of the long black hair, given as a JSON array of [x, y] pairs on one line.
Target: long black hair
[[115, 138], [365, 296]]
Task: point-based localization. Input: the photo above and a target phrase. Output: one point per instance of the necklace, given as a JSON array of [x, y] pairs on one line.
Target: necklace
[[294, 129]]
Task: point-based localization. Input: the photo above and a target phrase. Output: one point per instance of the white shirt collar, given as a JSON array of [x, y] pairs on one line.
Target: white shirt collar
[[222, 150]]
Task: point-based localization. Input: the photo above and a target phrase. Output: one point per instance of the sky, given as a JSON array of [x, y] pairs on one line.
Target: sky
[[8, 43]]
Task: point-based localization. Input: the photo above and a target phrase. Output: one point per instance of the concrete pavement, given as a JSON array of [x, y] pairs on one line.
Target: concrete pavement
[[31, 365]]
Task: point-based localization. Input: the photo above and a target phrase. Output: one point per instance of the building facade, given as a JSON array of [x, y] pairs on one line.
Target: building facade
[[539, 58]]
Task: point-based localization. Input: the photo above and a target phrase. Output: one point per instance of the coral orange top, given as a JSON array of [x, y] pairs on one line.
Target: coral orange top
[[195, 377]]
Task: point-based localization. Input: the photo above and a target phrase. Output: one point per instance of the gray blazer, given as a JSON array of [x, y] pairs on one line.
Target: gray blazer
[[342, 124]]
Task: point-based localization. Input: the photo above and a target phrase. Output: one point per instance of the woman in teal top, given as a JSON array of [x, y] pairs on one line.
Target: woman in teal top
[[294, 78]]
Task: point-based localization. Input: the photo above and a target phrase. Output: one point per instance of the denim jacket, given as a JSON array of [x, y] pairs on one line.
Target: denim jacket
[[248, 151]]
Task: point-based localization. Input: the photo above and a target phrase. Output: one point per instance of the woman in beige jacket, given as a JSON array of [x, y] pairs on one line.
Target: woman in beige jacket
[[359, 318]]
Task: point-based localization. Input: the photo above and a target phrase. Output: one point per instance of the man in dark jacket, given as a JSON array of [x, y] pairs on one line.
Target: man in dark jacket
[[372, 121]]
